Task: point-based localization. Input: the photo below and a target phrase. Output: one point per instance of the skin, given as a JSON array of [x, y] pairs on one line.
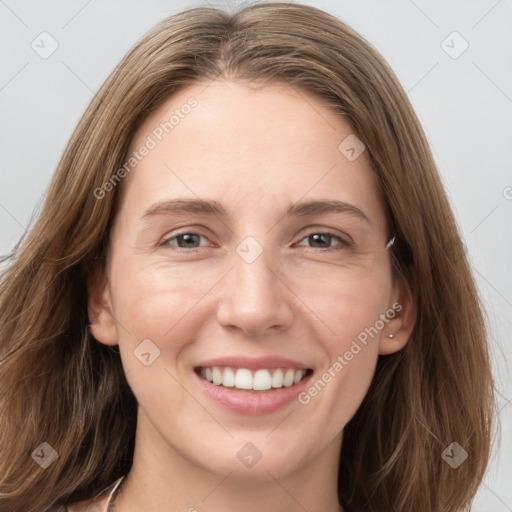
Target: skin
[[254, 150]]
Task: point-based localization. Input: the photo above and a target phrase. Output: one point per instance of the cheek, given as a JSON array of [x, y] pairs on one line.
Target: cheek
[[356, 321], [151, 306], [353, 314], [159, 310], [151, 300], [349, 310]]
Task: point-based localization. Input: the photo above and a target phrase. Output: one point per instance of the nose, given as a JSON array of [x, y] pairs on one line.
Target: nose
[[255, 298]]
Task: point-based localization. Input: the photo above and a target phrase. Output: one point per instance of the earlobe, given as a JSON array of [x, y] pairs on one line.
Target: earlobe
[[102, 323], [398, 330]]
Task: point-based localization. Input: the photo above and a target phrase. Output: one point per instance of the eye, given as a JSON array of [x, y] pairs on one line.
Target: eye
[[322, 240], [184, 240]]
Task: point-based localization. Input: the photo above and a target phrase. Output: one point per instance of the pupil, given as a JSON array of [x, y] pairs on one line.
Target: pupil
[[315, 237], [188, 238]]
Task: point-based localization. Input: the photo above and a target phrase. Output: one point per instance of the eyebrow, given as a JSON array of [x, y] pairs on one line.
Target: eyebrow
[[302, 209]]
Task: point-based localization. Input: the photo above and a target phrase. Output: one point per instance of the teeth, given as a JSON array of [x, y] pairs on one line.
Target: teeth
[[288, 378], [277, 378], [260, 380], [217, 376], [228, 378], [243, 379], [297, 377]]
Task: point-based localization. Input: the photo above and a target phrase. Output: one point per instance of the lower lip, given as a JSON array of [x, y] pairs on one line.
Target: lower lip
[[252, 404]]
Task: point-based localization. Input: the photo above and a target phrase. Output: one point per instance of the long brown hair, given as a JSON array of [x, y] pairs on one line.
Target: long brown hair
[[59, 386]]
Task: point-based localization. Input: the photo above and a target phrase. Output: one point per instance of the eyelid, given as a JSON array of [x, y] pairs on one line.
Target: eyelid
[[344, 241], [343, 236], [165, 241]]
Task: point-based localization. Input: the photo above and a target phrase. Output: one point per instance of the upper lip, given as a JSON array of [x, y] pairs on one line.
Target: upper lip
[[253, 363]]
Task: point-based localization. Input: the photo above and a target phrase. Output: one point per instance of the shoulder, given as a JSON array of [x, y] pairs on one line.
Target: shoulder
[[97, 504], [92, 505]]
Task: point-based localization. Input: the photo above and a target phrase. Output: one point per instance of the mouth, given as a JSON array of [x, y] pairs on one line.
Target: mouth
[[252, 386], [253, 380]]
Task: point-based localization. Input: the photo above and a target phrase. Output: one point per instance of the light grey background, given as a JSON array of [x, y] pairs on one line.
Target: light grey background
[[464, 104]]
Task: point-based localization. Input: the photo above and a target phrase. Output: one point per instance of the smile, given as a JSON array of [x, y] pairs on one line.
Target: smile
[[252, 380]]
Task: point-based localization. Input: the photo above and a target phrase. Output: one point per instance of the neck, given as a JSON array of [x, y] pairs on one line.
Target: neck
[[162, 479]]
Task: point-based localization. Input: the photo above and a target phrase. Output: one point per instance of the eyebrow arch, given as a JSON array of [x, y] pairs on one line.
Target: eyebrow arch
[[177, 206], [310, 208], [303, 209]]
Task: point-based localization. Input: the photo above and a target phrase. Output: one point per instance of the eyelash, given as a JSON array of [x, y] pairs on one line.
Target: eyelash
[[343, 243]]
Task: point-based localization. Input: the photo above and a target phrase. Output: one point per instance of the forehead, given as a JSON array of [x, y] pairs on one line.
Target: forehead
[[251, 148]]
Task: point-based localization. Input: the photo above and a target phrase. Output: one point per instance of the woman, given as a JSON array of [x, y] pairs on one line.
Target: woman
[[246, 289]]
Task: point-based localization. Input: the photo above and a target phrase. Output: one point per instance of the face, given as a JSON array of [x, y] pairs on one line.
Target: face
[[212, 278]]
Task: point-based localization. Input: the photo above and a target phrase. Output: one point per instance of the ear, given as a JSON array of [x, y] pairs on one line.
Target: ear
[[102, 324], [402, 313]]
